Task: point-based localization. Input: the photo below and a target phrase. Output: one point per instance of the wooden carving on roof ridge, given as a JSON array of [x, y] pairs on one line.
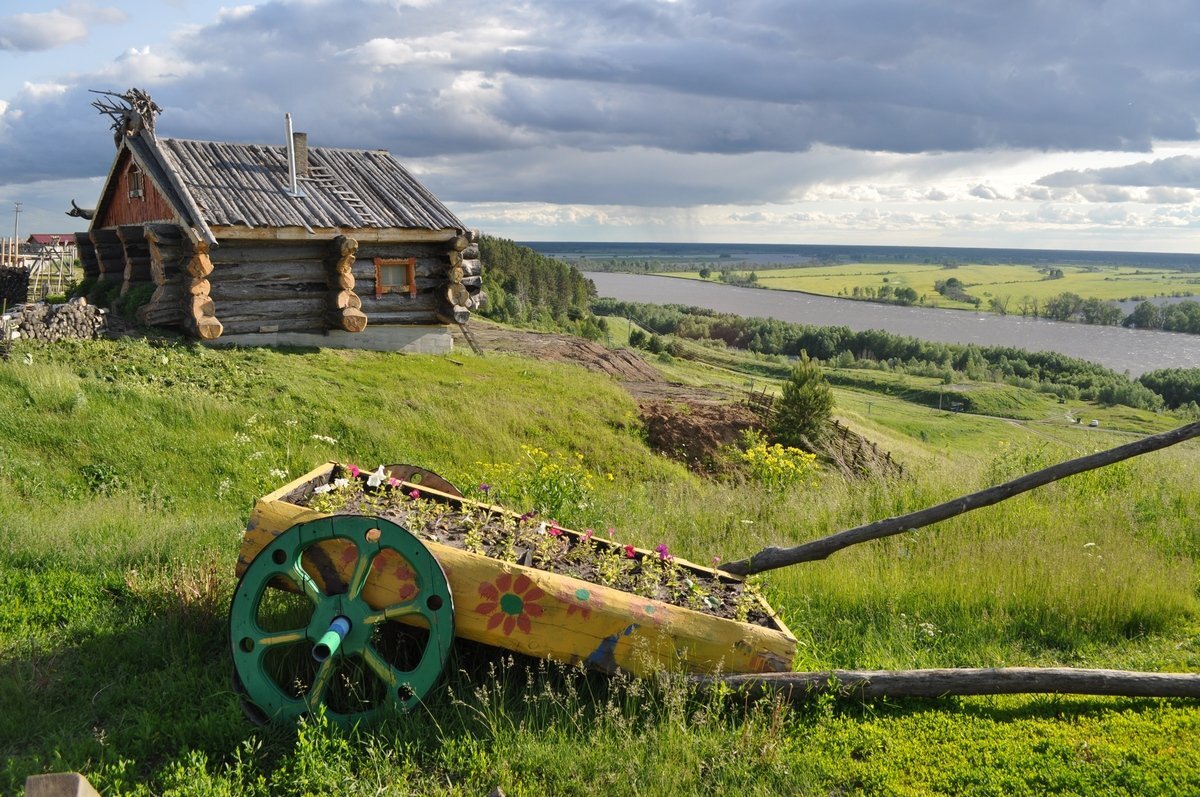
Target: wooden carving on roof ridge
[[131, 112]]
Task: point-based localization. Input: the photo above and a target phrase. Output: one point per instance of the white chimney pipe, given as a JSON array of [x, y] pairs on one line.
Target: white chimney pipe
[[293, 184]]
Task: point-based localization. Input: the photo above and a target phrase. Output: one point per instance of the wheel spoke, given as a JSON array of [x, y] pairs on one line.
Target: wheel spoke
[[273, 639], [320, 683], [380, 667], [362, 569], [305, 582], [394, 612]]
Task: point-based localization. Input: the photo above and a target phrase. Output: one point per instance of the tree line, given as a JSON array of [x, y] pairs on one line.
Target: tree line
[[1068, 377], [527, 288]]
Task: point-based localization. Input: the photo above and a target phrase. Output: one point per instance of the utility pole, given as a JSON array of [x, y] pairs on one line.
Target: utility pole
[[16, 237]]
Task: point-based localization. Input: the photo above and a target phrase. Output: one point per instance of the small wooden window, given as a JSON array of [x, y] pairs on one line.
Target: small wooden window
[[135, 182], [395, 275]]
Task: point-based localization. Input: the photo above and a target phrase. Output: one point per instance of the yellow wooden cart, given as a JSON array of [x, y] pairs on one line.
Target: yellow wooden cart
[[366, 612]]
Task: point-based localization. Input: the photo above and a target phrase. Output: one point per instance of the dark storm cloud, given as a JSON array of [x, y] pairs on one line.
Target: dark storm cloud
[[485, 82], [1180, 171]]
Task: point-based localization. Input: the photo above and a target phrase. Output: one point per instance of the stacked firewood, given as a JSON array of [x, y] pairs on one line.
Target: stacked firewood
[[14, 285], [76, 320]]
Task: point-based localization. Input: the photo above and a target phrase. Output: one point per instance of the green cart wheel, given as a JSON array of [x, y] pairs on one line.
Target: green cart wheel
[[372, 642]]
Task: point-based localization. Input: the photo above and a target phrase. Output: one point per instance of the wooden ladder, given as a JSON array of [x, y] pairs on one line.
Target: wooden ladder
[[323, 177]]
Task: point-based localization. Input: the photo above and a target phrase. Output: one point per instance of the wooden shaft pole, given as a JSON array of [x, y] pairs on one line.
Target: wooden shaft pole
[[797, 687], [772, 558]]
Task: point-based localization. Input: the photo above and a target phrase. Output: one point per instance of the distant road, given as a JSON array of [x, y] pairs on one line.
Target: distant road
[[1120, 349]]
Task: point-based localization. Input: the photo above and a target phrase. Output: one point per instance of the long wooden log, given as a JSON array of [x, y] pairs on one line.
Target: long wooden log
[[242, 326], [421, 317], [798, 687], [263, 271], [772, 558], [223, 290]]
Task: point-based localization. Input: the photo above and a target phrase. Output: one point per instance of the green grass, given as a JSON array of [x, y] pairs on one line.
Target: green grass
[[127, 471], [1007, 283]]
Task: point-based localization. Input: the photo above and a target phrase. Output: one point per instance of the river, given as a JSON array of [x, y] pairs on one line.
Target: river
[[1132, 350]]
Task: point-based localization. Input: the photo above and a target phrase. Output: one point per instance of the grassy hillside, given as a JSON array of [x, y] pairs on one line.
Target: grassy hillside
[[127, 470]]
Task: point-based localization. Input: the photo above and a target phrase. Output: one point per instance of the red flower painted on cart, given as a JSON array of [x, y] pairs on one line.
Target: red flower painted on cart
[[580, 602], [510, 602]]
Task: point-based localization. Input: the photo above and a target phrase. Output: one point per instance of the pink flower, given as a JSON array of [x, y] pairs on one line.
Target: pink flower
[[554, 530], [587, 534], [393, 482], [414, 494], [611, 532], [354, 471], [630, 553], [662, 552], [716, 561]]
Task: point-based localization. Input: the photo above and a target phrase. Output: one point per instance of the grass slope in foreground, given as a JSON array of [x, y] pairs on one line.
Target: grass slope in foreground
[[127, 471]]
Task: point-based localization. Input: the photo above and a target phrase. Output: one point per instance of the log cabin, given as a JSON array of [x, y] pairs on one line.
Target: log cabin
[[278, 244]]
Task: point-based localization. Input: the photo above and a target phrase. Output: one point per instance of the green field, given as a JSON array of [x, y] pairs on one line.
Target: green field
[[1011, 284], [127, 470]]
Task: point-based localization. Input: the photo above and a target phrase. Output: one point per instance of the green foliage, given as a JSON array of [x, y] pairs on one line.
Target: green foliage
[[776, 467], [127, 470], [529, 289], [802, 413], [1177, 386], [1044, 370], [127, 305]]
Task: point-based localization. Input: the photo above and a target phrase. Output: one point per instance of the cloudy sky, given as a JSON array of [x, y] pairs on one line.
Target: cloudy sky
[[1023, 123]]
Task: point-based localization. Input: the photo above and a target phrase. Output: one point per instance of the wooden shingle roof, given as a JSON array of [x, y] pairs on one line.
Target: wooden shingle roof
[[216, 184]]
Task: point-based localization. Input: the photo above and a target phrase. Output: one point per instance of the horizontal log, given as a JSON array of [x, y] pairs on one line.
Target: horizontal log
[[473, 284], [822, 548], [309, 306], [370, 251], [425, 268], [472, 268], [799, 687], [471, 252], [406, 317], [242, 326], [397, 302], [233, 253], [291, 271], [160, 314], [223, 290]]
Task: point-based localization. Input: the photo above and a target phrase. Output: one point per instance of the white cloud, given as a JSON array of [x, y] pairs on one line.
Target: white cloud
[[41, 31]]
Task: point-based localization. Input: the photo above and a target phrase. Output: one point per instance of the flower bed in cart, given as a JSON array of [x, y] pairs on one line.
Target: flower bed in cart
[[526, 584]]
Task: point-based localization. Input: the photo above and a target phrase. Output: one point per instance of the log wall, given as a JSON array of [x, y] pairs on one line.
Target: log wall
[[250, 286]]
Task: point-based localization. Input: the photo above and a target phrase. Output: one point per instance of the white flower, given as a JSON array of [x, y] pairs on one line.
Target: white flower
[[377, 478], [324, 438], [278, 473], [340, 482], [241, 438], [291, 422], [322, 488], [541, 529], [1089, 545]]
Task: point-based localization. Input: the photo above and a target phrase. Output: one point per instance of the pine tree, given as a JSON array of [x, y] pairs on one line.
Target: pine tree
[[803, 411]]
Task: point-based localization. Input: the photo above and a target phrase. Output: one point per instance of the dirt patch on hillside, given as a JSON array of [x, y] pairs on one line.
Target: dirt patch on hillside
[[624, 364], [694, 433], [686, 423]]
